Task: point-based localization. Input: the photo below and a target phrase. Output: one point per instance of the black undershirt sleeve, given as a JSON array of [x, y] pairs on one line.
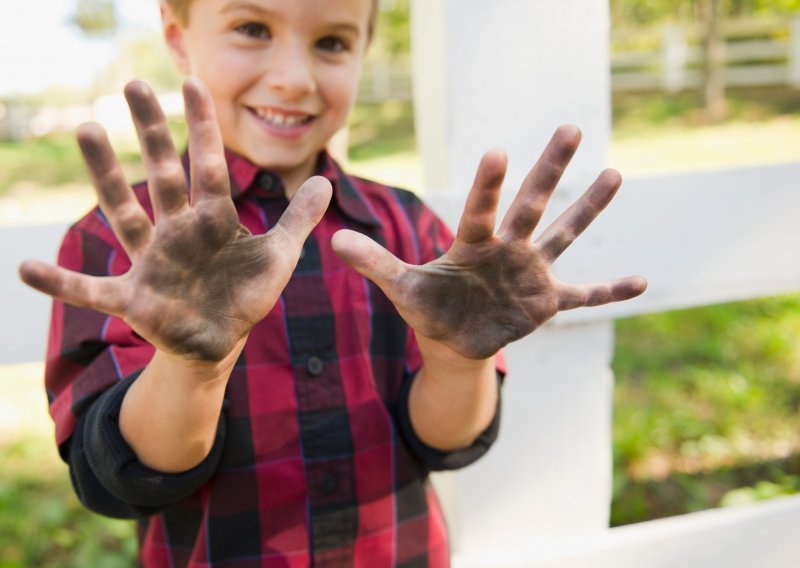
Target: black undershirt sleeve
[[433, 459], [106, 474]]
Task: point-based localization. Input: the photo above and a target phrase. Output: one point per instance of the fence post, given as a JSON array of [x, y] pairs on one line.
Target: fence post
[[674, 55], [794, 53], [505, 74]]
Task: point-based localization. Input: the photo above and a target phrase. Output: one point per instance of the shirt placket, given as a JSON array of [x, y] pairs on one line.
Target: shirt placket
[[323, 416]]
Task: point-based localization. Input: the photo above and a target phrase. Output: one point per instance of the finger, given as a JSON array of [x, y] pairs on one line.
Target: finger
[[117, 200], [570, 224], [99, 293], [572, 296], [165, 175], [368, 258], [304, 212], [477, 222], [534, 194], [209, 171]]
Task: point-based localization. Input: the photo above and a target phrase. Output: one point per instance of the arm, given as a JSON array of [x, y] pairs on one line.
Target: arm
[[198, 280], [453, 399], [172, 424], [489, 289]]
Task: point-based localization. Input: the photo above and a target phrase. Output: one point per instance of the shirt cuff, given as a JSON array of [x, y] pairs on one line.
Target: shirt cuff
[[437, 460], [108, 475]]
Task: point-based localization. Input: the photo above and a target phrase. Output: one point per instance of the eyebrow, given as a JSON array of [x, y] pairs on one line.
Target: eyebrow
[[248, 6], [242, 5]]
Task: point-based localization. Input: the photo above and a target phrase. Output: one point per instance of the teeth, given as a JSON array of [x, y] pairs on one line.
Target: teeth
[[279, 119]]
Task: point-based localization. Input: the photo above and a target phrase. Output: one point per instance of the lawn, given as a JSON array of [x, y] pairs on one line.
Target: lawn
[[706, 404]]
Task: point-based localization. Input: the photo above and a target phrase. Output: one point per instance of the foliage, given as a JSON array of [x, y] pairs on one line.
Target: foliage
[[54, 161], [143, 57], [96, 17], [392, 35], [647, 12], [706, 403], [42, 523]]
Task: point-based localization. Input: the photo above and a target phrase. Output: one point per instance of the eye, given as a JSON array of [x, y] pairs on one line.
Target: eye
[[254, 30], [333, 44]]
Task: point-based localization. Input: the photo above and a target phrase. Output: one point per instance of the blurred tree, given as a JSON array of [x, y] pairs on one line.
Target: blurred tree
[[393, 33], [95, 17], [710, 14], [645, 12], [144, 57], [712, 93]]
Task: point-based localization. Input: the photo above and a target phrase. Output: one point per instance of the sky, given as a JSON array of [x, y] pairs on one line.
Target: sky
[[39, 47]]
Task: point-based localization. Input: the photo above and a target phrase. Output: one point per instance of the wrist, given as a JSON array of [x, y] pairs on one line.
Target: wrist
[[201, 371], [439, 353]]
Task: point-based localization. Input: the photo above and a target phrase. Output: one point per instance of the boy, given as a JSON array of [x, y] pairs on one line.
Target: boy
[[250, 398]]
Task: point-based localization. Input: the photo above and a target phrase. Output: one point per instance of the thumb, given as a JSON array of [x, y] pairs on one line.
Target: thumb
[[368, 258], [305, 210]]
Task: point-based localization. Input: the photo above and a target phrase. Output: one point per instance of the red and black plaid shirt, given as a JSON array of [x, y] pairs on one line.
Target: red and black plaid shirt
[[315, 461]]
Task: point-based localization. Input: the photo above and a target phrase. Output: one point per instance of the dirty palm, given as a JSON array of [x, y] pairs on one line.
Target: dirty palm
[[199, 281]]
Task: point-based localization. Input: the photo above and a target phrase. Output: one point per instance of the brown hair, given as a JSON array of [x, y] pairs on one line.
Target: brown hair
[[181, 9]]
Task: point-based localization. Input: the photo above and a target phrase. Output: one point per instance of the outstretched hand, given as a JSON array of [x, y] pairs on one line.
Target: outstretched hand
[[491, 289], [199, 280]]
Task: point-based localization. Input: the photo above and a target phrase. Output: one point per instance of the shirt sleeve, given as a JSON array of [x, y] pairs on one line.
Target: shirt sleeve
[[92, 359], [432, 239], [106, 474], [436, 460]]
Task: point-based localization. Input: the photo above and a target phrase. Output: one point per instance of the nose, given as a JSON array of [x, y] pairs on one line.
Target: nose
[[291, 72]]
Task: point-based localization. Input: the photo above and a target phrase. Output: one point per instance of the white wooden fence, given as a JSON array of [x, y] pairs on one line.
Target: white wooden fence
[[757, 53], [762, 52], [505, 74]]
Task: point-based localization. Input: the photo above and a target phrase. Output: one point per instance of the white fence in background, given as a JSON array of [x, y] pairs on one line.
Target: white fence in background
[[757, 53], [505, 74]]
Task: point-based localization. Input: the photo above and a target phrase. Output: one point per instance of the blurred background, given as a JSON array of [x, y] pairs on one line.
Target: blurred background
[[707, 400]]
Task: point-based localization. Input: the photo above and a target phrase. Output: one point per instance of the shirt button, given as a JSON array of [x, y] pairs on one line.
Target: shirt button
[[302, 253], [329, 483], [315, 366]]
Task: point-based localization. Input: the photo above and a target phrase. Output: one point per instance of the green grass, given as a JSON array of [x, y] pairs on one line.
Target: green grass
[[706, 402], [43, 524], [53, 162]]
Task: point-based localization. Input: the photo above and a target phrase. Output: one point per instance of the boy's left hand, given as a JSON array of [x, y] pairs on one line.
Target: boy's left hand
[[491, 289]]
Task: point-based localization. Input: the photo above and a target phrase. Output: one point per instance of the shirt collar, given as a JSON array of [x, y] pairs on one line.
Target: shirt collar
[[347, 196]]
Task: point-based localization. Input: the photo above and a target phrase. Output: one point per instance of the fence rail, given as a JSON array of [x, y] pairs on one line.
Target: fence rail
[[757, 53]]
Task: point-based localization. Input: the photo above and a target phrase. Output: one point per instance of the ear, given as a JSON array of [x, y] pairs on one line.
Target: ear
[[174, 32]]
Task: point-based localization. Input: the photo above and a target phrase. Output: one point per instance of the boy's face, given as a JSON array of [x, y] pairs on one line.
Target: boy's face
[[283, 74]]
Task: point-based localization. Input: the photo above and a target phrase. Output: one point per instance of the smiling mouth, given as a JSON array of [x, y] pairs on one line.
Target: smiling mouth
[[281, 119]]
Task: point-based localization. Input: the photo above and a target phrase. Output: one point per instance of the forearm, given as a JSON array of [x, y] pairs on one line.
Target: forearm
[[453, 399], [170, 414]]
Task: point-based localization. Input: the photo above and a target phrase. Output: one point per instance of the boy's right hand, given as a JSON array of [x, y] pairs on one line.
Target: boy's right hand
[[199, 280]]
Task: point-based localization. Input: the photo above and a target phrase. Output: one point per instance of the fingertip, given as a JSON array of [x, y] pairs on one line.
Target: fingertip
[[569, 136], [24, 270], [89, 135], [137, 89], [194, 89], [635, 286], [339, 240], [571, 132], [32, 273], [493, 167], [348, 246], [320, 187], [612, 176], [496, 155]]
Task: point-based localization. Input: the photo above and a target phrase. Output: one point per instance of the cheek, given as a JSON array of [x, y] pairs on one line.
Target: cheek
[[226, 72], [341, 89]]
